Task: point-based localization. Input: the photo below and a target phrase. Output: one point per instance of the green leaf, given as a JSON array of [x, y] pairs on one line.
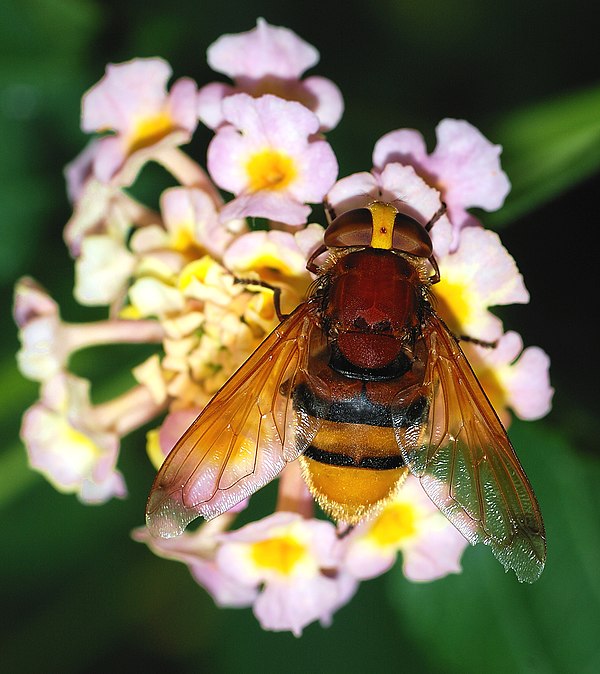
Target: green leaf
[[483, 619], [548, 148], [43, 73]]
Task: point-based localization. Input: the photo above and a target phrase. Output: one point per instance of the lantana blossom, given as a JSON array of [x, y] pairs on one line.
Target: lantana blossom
[[197, 549], [478, 275], [277, 257], [196, 277], [291, 558], [131, 101], [267, 157], [67, 446], [513, 378], [431, 547], [285, 566], [268, 60], [464, 167]]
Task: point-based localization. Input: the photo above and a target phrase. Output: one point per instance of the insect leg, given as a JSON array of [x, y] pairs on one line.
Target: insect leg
[[263, 284], [436, 216], [342, 533], [310, 265], [435, 277], [477, 342]]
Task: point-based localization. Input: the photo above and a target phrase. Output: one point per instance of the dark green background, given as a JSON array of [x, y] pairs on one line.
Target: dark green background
[[77, 594]]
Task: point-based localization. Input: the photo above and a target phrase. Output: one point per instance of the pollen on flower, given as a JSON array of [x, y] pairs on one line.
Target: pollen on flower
[[149, 130], [87, 452], [272, 268], [195, 271], [153, 448], [396, 523], [453, 303], [494, 389], [281, 554], [270, 170], [130, 312]]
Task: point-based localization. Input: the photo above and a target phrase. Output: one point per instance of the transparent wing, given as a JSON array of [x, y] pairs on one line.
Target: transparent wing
[[465, 461], [245, 435]]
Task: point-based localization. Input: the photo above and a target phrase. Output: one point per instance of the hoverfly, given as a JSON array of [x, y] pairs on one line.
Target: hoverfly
[[362, 383]]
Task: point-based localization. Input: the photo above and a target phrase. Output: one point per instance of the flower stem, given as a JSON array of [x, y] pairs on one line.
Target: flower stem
[[128, 411], [293, 494], [117, 331]]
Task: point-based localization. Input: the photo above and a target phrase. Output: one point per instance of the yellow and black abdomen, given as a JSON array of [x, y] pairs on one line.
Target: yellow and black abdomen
[[354, 464]]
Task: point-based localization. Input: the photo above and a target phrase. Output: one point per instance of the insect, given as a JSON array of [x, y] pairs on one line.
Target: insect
[[363, 383]]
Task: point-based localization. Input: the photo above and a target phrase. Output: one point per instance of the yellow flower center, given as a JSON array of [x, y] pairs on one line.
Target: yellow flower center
[[183, 238], [280, 554], [153, 448], [452, 303], [395, 524], [270, 170], [272, 269], [150, 130], [492, 385], [194, 271]]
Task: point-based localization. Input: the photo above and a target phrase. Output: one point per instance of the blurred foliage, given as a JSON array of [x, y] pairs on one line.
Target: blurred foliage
[[78, 594]]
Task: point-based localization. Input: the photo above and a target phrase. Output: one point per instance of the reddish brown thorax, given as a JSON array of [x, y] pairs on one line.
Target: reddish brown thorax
[[372, 303]]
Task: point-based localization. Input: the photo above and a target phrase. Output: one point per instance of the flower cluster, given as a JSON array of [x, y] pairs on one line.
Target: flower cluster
[[169, 277]]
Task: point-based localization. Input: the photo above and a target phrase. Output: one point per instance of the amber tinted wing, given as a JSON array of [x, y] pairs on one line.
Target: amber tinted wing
[[464, 459], [245, 435]]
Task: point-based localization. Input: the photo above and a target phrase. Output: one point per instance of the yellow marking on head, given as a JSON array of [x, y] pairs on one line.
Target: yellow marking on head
[[383, 224]]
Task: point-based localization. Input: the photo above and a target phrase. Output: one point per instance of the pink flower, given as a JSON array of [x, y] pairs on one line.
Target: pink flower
[[431, 547], [295, 562], [268, 60], [279, 258], [479, 274], [266, 156], [191, 226], [131, 100], [464, 166], [514, 378], [102, 209], [65, 444], [284, 565]]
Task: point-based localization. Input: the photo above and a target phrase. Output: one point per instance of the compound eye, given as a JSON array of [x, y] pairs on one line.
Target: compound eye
[[353, 228], [411, 237]]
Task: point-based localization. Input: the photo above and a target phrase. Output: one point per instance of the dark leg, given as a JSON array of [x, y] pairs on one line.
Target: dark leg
[[344, 532], [436, 216], [310, 265], [436, 271], [477, 342], [264, 284]]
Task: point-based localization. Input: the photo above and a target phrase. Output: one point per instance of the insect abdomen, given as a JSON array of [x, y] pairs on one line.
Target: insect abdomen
[[354, 463], [349, 488]]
